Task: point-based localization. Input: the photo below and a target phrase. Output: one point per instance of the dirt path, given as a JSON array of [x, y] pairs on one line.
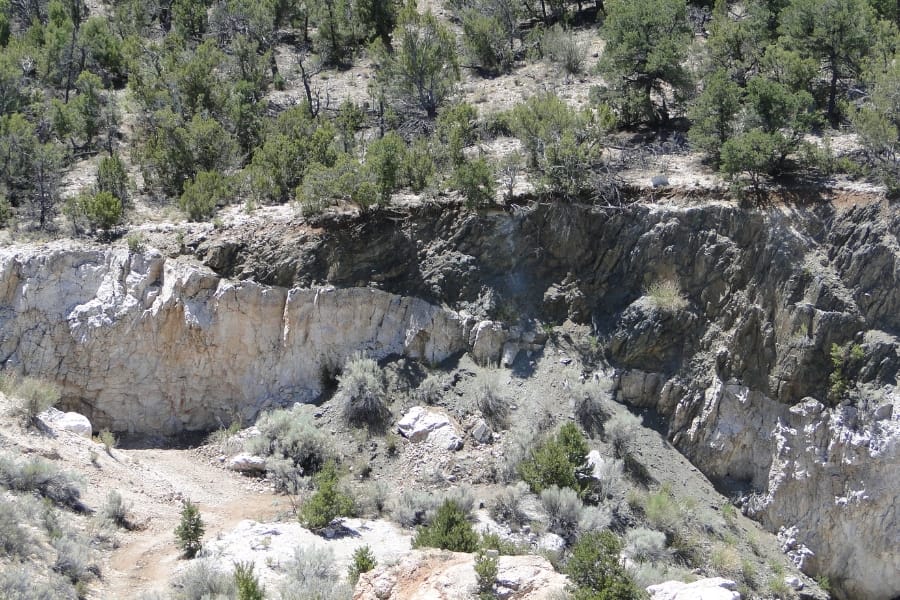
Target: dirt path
[[147, 557]]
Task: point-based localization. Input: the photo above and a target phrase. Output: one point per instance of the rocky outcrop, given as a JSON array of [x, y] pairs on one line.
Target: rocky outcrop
[[145, 341], [442, 575], [715, 588], [139, 342]]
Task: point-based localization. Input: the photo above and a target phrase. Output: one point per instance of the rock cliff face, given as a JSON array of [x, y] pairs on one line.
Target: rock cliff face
[[738, 371], [143, 343]]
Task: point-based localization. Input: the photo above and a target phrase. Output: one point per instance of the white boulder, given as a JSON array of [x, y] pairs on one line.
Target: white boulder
[[69, 421], [418, 425], [714, 588], [247, 463]]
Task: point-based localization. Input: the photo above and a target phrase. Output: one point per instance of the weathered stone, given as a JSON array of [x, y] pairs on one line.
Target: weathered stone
[[482, 433], [419, 424], [430, 574], [144, 343], [69, 421], [715, 588], [247, 463], [487, 339]]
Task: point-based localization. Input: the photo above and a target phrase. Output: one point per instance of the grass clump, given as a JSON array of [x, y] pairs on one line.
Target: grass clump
[[328, 503], [14, 539], [667, 296], [645, 545], [33, 395], [189, 532], [620, 431], [116, 510], [492, 403], [363, 562], [310, 574], [202, 580], [591, 408], [560, 460], [449, 530], [41, 477], [506, 506], [362, 393]]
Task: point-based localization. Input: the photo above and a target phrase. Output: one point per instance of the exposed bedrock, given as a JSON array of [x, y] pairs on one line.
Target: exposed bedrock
[[741, 371], [143, 343]]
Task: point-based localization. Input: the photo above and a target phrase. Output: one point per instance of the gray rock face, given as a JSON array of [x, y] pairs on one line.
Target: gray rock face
[[139, 342]]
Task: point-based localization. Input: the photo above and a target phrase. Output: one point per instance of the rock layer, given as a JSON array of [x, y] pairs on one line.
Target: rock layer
[[140, 342]]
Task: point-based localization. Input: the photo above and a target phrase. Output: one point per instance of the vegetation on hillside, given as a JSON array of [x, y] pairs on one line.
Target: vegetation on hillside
[[171, 100]]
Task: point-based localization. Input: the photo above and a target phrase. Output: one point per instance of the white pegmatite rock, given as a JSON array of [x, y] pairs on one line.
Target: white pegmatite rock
[[419, 424], [141, 342], [715, 588], [67, 421], [247, 463]]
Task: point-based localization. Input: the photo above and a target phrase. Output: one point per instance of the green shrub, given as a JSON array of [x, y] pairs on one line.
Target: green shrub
[[386, 157], [662, 511], [474, 179], [290, 438], [204, 194], [363, 562], [450, 530], [328, 502], [189, 533], [418, 165], [112, 177], [108, 439], [362, 393], [247, 583], [596, 572], [102, 211], [486, 575], [560, 460], [485, 43]]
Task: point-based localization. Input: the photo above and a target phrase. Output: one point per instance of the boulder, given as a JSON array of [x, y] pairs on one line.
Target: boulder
[[481, 433], [69, 421], [419, 424], [247, 463], [715, 588]]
